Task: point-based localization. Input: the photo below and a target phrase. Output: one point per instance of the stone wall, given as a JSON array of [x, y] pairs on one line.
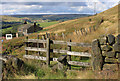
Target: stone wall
[[106, 52]]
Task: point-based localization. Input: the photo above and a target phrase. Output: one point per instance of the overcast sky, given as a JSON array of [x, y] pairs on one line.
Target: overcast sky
[[13, 7]]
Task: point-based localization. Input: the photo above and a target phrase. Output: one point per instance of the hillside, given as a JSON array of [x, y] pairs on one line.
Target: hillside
[[109, 24]]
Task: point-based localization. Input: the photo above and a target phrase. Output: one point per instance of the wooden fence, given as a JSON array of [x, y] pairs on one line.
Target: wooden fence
[[48, 49]]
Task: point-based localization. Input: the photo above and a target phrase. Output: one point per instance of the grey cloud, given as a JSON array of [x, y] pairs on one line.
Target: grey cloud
[[48, 3]]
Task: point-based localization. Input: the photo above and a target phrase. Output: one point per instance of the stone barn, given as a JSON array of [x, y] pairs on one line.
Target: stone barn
[[26, 29]]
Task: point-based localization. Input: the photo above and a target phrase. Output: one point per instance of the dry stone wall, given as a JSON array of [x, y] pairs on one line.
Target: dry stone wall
[[106, 52]]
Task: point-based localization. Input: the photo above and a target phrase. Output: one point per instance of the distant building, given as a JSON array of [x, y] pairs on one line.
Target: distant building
[[26, 29]]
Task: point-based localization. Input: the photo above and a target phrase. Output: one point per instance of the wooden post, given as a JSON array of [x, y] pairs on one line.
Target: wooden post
[[26, 45], [69, 56], [76, 32], [38, 45], [86, 31], [90, 29], [94, 28], [43, 38], [48, 52], [63, 35], [17, 35], [46, 35], [81, 31]]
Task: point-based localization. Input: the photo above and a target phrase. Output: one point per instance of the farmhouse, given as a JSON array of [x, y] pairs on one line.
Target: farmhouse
[[26, 29]]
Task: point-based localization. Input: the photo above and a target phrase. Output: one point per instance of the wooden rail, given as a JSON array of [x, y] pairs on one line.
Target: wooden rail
[[48, 49], [60, 42], [84, 54], [55, 59]]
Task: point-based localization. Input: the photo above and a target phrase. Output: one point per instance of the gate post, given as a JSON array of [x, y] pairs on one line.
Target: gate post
[[69, 56], [26, 45], [48, 52], [38, 45]]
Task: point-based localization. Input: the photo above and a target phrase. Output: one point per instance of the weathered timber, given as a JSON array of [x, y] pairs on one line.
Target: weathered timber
[[81, 31], [35, 49], [46, 35], [59, 51], [59, 42], [34, 57], [48, 52], [55, 59], [78, 44], [84, 54], [36, 40], [26, 44], [78, 63], [72, 43], [69, 56], [38, 45], [43, 38], [89, 29], [38, 57]]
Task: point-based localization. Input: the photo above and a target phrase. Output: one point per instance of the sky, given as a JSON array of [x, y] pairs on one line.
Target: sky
[[23, 7]]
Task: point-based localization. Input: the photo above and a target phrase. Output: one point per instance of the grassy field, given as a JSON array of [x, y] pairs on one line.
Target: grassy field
[[46, 24]]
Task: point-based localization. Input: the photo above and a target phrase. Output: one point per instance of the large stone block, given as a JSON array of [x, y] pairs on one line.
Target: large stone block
[[118, 39], [116, 47], [95, 43], [103, 41], [103, 53], [110, 67], [106, 48], [62, 58], [97, 59], [62, 62], [109, 54], [117, 55], [111, 60], [118, 60], [111, 39]]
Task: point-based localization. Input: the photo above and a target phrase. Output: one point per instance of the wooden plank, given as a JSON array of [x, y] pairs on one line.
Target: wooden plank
[[34, 57], [59, 51], [79, 44], [84, 54], [59, 42], [37, 57], [78, 63], [36, 49], [55, 59], [72, 43], [36, 40]]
